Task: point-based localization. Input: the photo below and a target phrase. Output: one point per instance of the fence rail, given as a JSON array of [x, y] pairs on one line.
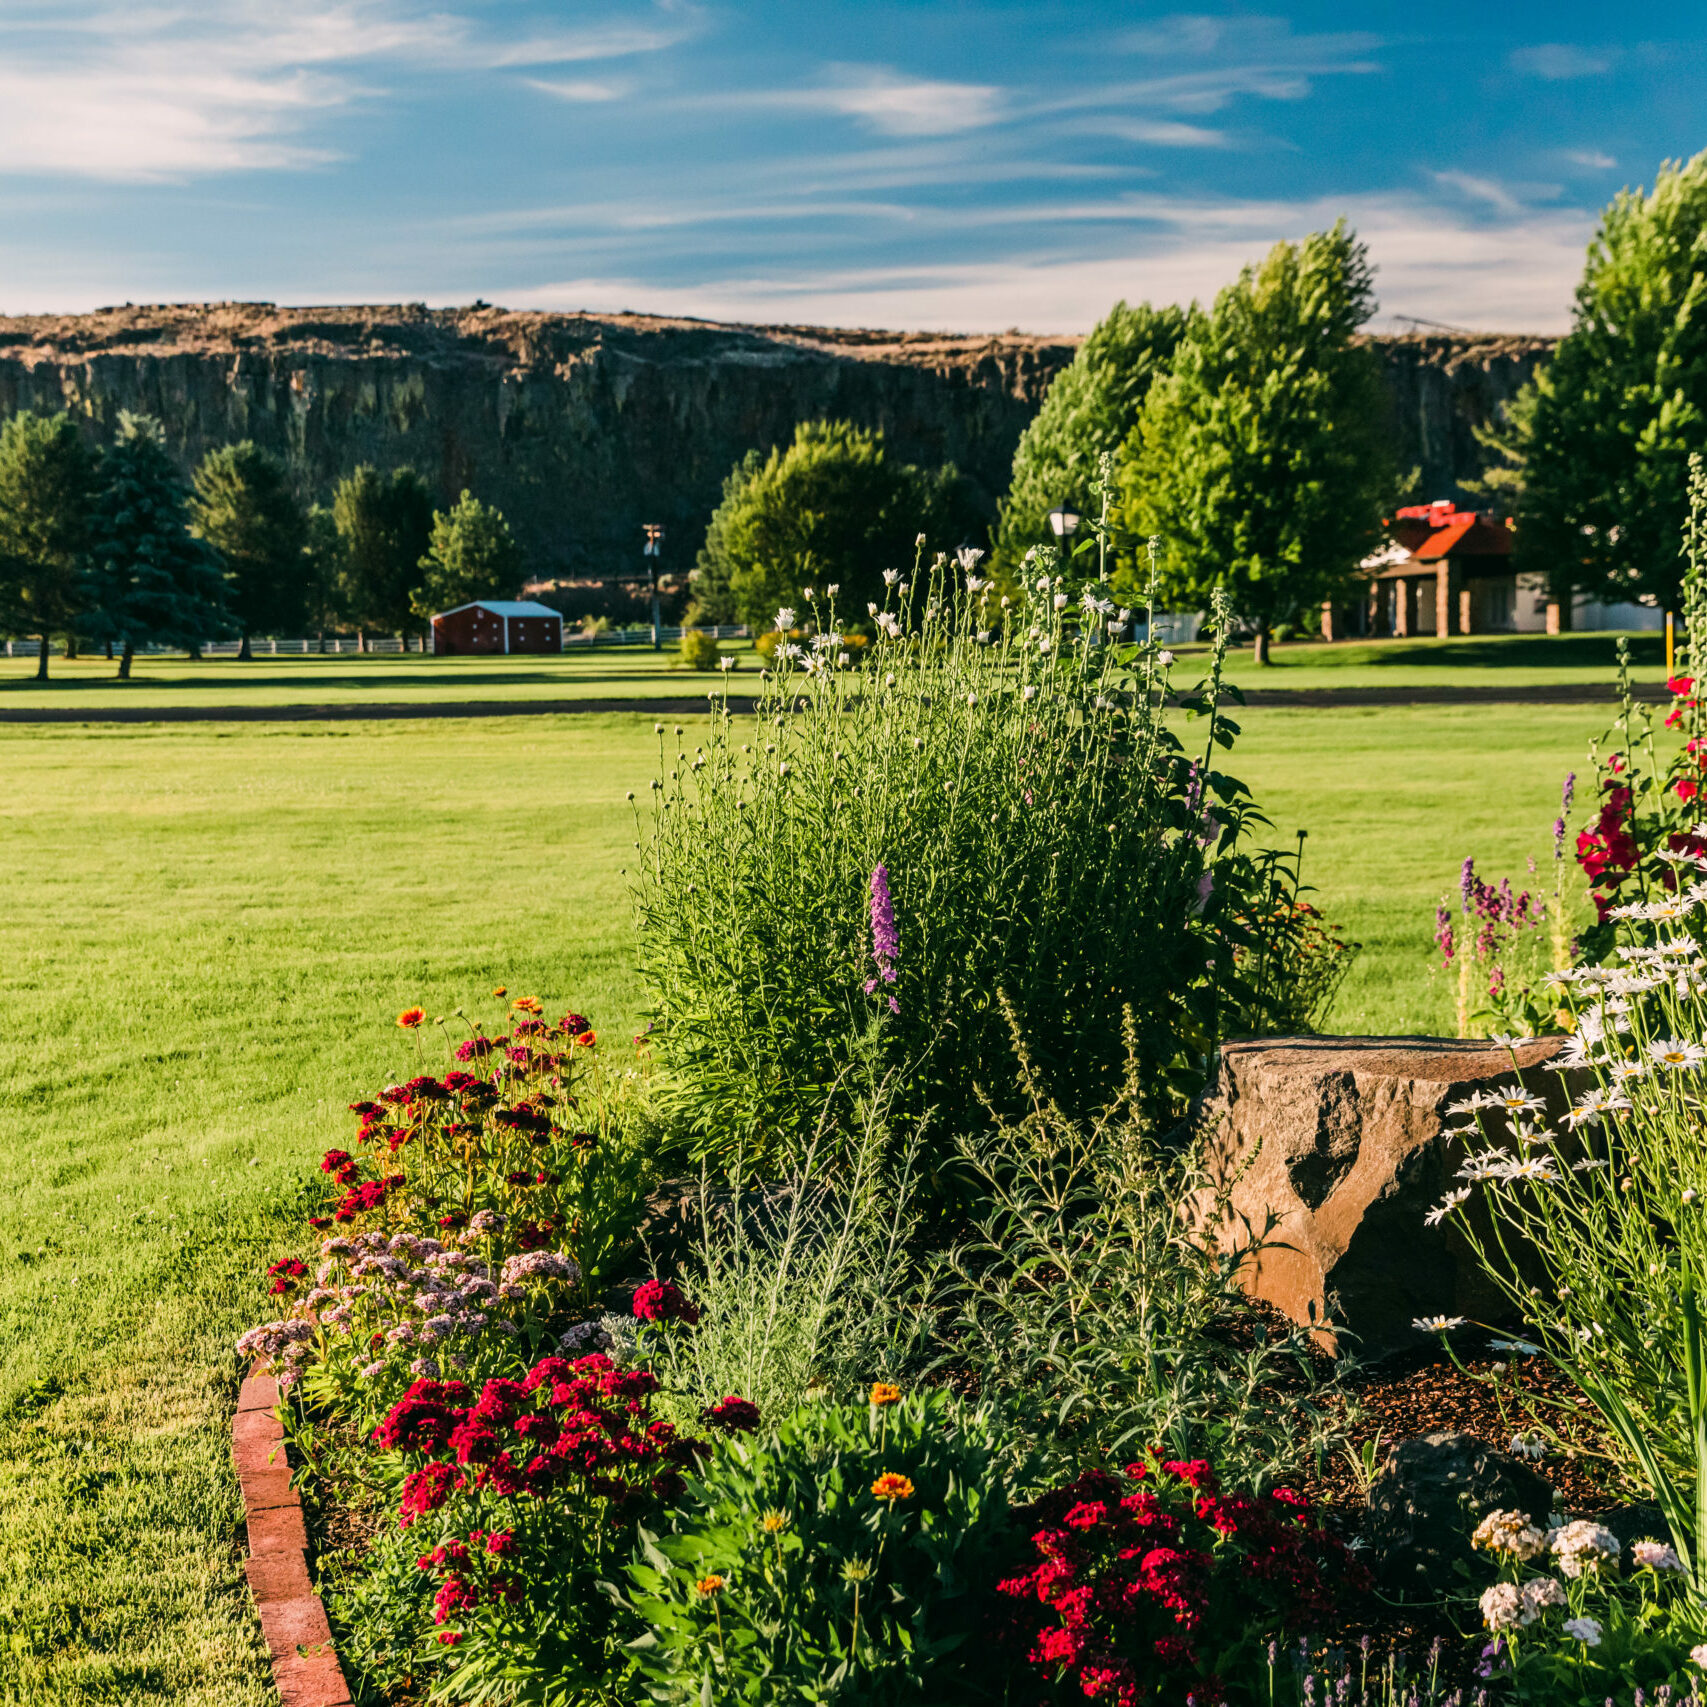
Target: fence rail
[[333, 645]]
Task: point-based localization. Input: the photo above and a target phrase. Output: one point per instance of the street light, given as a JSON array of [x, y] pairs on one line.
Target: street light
[[652, 550], [1063, 523]]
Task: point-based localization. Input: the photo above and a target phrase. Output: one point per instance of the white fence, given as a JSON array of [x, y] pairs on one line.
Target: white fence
[[269, 647]]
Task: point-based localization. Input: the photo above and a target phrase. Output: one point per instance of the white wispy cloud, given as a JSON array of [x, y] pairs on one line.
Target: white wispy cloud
[[1594, 159], [581, 89], [888, 101], [1516, 276], [1556, 62], [238, 85]]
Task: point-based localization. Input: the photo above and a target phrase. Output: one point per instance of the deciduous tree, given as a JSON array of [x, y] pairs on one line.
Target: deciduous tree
[[1263, 459], [472, 555], [831, 508]]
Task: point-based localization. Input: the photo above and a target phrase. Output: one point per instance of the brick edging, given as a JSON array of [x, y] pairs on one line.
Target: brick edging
[[293, 1621]]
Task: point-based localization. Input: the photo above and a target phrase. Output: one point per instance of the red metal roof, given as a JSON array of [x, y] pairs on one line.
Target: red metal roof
[[1467, 534]]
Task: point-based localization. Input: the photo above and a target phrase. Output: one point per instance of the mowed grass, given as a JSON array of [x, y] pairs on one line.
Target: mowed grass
[[636, 672], [205, 934], [604, 672]]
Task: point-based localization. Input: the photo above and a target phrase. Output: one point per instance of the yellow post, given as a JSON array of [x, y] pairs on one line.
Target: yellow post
[[1671, 649]]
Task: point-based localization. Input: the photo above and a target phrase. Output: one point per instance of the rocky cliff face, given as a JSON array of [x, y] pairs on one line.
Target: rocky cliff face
[[581, 427]]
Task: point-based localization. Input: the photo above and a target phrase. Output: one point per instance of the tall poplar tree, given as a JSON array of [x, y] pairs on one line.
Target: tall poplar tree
[[1598, 444], [1092, 407], [47, 490], [150, 580], [1263, 460]]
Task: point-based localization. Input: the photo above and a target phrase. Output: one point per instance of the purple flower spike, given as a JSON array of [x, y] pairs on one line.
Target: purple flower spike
[[885, 944]]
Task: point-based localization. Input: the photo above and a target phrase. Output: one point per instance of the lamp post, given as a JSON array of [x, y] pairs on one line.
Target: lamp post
[[1063, 523], [652, 550]]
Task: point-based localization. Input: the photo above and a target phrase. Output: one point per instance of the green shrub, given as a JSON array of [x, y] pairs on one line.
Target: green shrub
[[699, 650], [1020, 798], [848, 1556], [1085, 1302]]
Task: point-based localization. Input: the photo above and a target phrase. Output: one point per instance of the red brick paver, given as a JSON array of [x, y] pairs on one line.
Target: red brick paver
[[293, 1622]]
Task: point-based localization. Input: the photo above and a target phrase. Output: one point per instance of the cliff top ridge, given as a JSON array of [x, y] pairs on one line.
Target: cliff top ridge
[[510, 337]]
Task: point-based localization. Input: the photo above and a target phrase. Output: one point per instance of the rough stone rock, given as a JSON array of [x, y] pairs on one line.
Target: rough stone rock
[[1339, 1140], [1430, 1496]]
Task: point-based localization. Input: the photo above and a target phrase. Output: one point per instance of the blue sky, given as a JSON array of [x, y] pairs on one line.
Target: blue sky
[[914, 163]]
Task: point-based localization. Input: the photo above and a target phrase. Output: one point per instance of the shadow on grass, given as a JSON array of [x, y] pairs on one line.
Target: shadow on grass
[[223, 678], [1475, 652]]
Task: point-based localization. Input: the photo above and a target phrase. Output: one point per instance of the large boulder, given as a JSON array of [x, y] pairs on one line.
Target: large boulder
[[1427, 1501], [1339, 1143]]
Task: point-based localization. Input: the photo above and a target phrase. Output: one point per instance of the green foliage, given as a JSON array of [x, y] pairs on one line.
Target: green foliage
[[825, 1591], [150, 579], [832, 508], [1600, 441], [699, 650], [245, 509], [385, 526], [805, 1283], [48, 483], [1261, 460], [473, 555], [1043, 833], [1084, 1302], [1092, 406]]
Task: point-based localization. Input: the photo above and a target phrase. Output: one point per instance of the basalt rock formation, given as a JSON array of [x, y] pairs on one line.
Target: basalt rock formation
[[581, 427]]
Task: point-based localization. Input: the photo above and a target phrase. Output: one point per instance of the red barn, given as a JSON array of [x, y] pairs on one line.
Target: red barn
[[498, 625]]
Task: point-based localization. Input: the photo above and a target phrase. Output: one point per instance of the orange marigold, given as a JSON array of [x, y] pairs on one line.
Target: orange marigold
[[883, 1394], [411, 1017], [526, 1005], [500, 991], [890, 1486], [709, 1585]]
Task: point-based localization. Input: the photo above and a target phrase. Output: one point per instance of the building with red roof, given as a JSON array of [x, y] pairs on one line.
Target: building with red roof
[[1445, 571]]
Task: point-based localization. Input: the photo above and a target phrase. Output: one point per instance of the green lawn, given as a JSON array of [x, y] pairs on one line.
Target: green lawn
[[1492, 660], [204, 935], [604, 672], [636, 672]]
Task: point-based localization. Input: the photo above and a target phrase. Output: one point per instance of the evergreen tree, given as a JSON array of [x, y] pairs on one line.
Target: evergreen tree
[[323, 571], [831, 508], [47, 491], [385, 525], [1598, 444], [150, 580], [1092, 407], [245, 509], [1262, 461], [472, 555]]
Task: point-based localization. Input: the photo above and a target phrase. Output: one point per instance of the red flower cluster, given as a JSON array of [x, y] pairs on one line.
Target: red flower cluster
[[731, 1415], [1607, 852], [1134, 1571], [659, 1301], [368, 1195], [284, 1275], [583, 1426]]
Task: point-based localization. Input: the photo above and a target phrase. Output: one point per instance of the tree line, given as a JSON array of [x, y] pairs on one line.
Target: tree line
[[1251, 442], [114, 547]]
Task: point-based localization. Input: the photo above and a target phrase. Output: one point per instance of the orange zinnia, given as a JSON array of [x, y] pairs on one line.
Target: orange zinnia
[[500, 991], [585, 1040], [883, 1394], [411, 1017], [526, 1005], [709, 1585], [890, 1486]]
